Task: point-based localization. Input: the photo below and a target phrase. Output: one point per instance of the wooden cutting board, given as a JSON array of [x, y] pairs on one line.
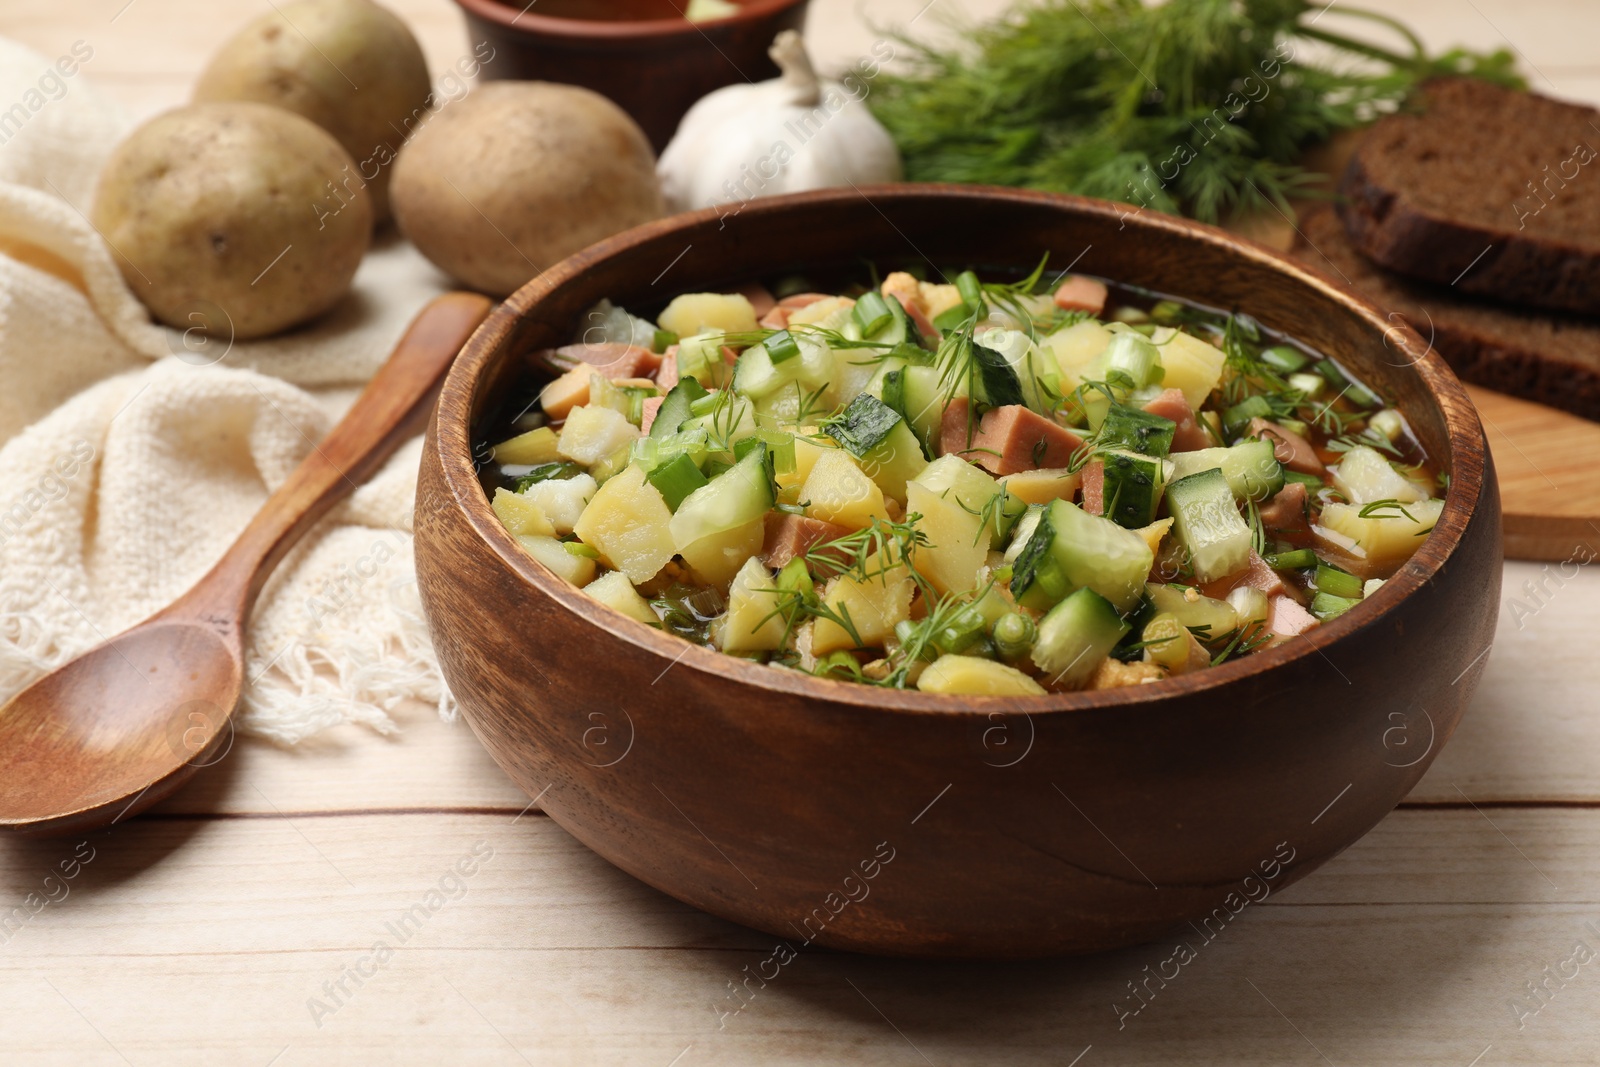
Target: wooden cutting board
[[1549, 468]]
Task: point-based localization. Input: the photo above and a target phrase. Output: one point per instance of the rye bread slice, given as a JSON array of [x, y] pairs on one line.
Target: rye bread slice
[[1546, 357], [1494, 190]]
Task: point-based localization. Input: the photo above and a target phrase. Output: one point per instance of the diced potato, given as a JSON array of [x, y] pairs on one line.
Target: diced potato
[[535, 446], [519, 515], [579, 570], [1364, 476], [976, 676], [806, 454], [717, 557], [562, 499], [627, 523], [831, 313], [957, 548], [694, 313], [968, 487], [752, 623], [615, 591], [595, 433], [936, 298], [1075, 347], [1044, 485], [837, 490], [1386, 536], [875, 606], [1190, 364], [1154, 534], [566, 392]]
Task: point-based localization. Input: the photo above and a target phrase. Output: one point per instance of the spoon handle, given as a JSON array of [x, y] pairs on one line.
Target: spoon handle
[[388, 411]]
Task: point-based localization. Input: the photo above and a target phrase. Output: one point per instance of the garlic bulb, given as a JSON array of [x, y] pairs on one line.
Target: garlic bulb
[[781, 136]]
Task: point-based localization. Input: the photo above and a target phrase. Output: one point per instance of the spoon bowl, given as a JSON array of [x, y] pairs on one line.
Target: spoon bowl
[[128, 722]]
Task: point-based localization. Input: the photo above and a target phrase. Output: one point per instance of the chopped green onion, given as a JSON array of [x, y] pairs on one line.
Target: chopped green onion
[[1326, 606], [578, 548], [950, 318], [795, 578], [970, 288], [840, 662], [1168, 312], [1014, 634], [1309, 385], [704, 405], [1310, 481], [676, 479], [1338, 583], [781, 347], [961, 632], [1236, 418], [1284, 358], [1295, 560], [870, 313], [1355, 392]]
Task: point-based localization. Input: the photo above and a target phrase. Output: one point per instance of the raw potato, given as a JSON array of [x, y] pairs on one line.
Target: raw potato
[[518, 176], [350, 66], [211, 204]]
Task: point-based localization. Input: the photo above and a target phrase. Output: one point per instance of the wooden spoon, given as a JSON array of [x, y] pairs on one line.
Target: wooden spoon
[[125, 724]]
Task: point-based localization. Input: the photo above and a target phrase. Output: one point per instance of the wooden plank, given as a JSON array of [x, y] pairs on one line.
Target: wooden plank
[[183, 941], [1549, 479]]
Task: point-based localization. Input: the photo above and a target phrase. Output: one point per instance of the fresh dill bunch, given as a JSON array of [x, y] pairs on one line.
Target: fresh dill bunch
[[1199, 107]]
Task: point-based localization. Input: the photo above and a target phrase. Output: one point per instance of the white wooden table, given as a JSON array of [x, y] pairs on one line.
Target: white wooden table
[[237, 923]]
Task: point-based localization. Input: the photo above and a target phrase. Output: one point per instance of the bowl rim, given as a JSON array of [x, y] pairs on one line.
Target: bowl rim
[[1467, 461], [509, 16]]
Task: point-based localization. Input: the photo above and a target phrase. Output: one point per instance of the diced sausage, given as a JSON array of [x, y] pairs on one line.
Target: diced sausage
[[1257, 575], [1190, 436], [612, 360], [801, 300], [1286, 512], [760, 299], [788, 536], [1078, 293], [667, 373], [1292, 450], [1094, 487], [569, 391], [902, 286], [1007, 439], [776, 319], [1287, 618], [652, 404]]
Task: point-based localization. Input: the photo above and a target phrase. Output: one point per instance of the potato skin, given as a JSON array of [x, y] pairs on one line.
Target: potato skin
[[350, 66], [200, 203], [518, 176]]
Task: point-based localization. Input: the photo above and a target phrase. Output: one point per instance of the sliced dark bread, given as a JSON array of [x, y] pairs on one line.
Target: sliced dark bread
[[1493, 190], [1547, 357]]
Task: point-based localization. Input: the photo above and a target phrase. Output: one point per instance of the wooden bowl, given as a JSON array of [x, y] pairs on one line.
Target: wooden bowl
[[652, 68], [897, 822]]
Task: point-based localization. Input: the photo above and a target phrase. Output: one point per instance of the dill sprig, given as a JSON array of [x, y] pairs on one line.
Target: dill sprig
[[1200, 107]]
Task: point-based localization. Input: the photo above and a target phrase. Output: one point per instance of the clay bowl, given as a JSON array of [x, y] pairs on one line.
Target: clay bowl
[[900, 823], [650, 62]]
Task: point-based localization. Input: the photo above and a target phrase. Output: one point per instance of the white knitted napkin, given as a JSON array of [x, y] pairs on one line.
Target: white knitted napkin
[[132, 454]]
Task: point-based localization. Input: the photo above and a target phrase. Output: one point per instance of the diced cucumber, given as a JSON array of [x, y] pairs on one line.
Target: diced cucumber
[[1237, 417], [674, 409], [756, 375], [1038, 376], [922, 404], [1129, 362], [733, 498], [1133, 484], [1364, 477], [997, 382], [1137, 431], [1210, 617], [700, 357], [1075, 638], [1327, 607], [863, 425], [1252, 470], [1207, 521], [1023, 532], [1070, 549], [1286, 359]]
